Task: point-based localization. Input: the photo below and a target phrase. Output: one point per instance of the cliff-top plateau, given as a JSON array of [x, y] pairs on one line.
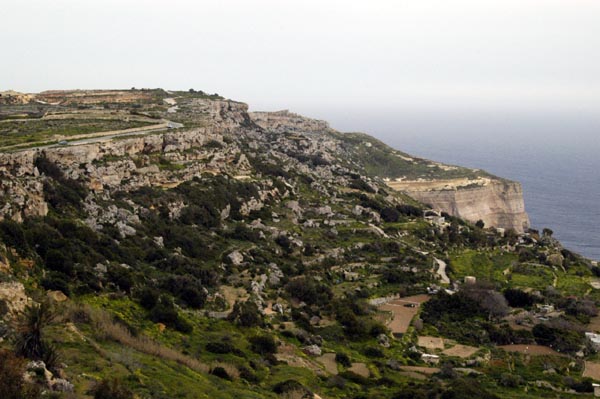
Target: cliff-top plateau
[[173, 244]]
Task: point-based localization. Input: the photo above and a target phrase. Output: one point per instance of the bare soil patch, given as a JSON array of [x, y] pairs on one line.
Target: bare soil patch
[[403, 311], [463, 351], [360, 369], [594, 324], [592, 370], [328, 360], [535, 350], [431, 342]]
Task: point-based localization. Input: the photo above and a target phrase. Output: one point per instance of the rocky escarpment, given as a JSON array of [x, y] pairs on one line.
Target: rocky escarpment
[[165, 159], [223, 135], [496, 202]]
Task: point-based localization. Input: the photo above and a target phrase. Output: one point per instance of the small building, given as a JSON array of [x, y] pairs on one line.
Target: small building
[[430, 359], [596, 390], [593, 339], [545, 308], [351, 276], [174, 125], [470, 280]]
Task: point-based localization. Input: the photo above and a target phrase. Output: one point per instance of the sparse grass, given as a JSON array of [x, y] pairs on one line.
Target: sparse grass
[[106, 328]]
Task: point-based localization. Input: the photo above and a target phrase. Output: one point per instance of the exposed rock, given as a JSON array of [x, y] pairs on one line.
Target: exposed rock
[[499, 203], [236, 258], [383, 340], [312, 350], [56, 296], [13, 294]]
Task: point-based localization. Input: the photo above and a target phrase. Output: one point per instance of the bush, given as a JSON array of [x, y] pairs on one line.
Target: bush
[[165, 312], [343, 359], [390, 215], [308, 290], [112, 388], [561, 339], [148, 297], [246, 314], [220, 372], [12, 386], [56, 282], [371, 351], [219, 347], [518, 299], [288, 386], [263, 344]]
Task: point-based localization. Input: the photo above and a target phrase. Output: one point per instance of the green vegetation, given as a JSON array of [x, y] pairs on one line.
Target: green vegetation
[[270, 283], [33, 131]]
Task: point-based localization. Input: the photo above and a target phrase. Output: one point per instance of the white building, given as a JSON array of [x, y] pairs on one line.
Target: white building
[[594, 339]]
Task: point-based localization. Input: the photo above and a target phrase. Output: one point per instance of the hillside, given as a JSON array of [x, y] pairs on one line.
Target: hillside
[[162, 244]]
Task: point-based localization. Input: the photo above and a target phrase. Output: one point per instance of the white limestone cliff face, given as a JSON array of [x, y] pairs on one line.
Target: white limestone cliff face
[[498, 203]]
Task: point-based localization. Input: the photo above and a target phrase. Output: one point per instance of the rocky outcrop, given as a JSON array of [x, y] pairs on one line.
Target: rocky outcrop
[[499, 203], [286, 121], [223, 138]]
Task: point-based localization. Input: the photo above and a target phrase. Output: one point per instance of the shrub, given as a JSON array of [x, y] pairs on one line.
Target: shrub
[[246, 314], [219, 347], [343, 359], [390, 214], [12, 386], [29, 342], [165, 312], [517, 298], [112, 388], [220, 372], [56, 282], [148, 297], [373, 352], [263, 344], [288, 386]]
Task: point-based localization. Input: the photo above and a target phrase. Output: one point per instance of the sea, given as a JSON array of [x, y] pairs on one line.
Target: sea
[[554, 155]]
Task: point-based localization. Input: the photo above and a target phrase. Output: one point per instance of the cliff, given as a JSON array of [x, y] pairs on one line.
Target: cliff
[[241, 254], [497, 203], [167, 158]]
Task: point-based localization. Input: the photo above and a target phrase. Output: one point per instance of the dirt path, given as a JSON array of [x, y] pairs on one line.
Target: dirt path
[[441, 271]]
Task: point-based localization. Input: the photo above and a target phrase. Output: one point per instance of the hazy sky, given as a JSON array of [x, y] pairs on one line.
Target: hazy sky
[[309, 55]]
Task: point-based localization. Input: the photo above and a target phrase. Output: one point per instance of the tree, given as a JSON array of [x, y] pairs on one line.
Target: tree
[[546, 232], [480, 223], [517, 298]]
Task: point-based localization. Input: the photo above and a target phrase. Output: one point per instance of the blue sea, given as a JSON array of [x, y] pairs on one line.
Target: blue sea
[[555, 156]]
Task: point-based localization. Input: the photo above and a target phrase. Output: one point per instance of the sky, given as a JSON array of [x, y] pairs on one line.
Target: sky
[[321, 58]]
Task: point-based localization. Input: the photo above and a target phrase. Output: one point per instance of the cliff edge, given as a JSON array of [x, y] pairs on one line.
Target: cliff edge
[[128, 139]]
